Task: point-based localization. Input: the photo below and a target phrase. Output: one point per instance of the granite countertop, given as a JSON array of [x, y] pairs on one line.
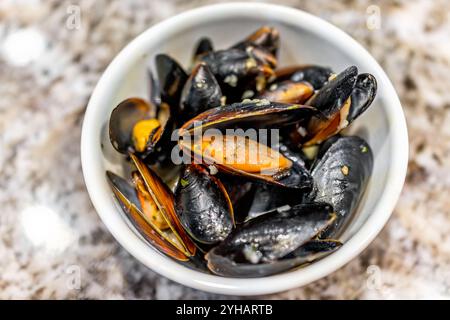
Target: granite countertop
[[53, 244]]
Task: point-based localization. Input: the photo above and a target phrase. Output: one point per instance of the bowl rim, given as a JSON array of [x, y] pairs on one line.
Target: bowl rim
[[104, 204]]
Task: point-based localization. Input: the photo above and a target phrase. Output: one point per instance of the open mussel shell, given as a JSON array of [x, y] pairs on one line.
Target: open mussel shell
[[264, 57], [123, 119], [237, 153], [257, 247], [315, 75], [241, 156], [164, 200], [335, 93], [233, 64], [135, 128], [253, 114], [288, 92], [362, 95], [339, 103], [200, 93], [340, 178], [239, 70], [129, 201], [203, 206], [203, 46], [265, 37], [171, 77]]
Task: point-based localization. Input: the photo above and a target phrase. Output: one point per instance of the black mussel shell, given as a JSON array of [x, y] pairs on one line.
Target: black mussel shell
[[122, 121], [241, 192], [203, 206], [228, 63], [313, 247], [311, 251], [315, 75], [171, 77], [264, 57], [254, 114], [269, 197], [257, 247], [239, 70], [265, 37], [297, 178], [204, 45], [154, 92], [362, 95], [335, 93], [323, 148], [296, 157], [200, 93], [340, 178]]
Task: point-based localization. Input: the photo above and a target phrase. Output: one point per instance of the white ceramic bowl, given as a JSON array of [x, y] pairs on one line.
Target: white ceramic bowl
[[304, 39]]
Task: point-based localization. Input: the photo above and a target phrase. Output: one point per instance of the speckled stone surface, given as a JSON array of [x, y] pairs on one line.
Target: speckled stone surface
[[53, 244]]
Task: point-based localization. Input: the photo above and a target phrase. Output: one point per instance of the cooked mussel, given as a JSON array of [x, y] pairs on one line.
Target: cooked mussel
[[239, 70], [201, 92], [362, 96], [171, 77], [233, 64], [265, 37], [129, 201], [340, 178], [204, 45], [237, 153], [257, 247], [339, 103], [335, 93], [134, 127], [254, 114], [288, 92], [241, 156], [164, 200], [203, 205], [315, 75]]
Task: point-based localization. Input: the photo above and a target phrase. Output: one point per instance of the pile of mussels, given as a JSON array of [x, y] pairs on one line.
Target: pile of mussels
[[235, 219]]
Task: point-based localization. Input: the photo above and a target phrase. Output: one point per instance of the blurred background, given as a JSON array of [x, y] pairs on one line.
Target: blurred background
[[52, 243]]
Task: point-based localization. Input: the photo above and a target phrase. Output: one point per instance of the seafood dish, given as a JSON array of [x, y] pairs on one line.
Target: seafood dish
[[239, 167]]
